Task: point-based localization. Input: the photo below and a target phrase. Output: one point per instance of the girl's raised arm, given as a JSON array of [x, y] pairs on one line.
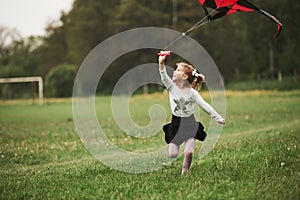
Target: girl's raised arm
[[161, 62]]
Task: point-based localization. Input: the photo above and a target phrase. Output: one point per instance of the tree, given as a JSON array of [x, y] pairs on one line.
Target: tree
[[143, 13], [19, 58], [53, 50], [287, 45], [89, 23], [7, 36]]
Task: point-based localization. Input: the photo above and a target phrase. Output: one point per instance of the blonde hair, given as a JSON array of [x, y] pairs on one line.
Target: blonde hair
[[195, 79]]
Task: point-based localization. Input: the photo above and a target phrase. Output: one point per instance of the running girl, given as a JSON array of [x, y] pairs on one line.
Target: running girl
[[183, 95]]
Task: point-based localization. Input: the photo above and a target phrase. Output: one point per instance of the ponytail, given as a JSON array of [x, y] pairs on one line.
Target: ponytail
[[197, 80]]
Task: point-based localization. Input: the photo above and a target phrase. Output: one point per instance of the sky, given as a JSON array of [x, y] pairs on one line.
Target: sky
[[30, 17]]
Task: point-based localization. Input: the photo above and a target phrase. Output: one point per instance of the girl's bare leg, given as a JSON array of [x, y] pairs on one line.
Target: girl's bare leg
[[188, 155], [173, 150]]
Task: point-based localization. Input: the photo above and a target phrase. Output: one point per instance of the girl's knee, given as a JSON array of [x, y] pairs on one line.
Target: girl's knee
[[173, 154], [173, 150]]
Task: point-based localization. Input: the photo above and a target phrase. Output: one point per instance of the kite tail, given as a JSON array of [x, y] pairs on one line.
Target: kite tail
[[274, 19], [279, 28], [265, 13]]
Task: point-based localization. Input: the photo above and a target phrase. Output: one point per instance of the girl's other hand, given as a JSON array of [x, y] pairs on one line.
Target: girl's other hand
[[222, 122]]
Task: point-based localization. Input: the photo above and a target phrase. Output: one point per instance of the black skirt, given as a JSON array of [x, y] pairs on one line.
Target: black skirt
[[182, 128]]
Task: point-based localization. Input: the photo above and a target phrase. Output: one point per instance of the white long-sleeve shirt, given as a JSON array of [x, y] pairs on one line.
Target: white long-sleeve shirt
[[182, 101]]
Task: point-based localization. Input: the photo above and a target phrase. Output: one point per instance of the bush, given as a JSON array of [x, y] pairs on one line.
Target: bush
[[287, 83], [60, 80]]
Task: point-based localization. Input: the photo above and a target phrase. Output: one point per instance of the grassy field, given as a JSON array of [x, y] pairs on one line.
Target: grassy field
[[256, 157]]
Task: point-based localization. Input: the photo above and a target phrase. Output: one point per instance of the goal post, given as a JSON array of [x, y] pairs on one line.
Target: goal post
[[38, 79]]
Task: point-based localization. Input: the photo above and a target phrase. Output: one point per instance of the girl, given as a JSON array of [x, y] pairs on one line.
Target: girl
[[183, 95]]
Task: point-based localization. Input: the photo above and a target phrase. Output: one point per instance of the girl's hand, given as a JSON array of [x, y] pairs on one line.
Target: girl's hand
[[161, 59], [164, 53], [162, 56]]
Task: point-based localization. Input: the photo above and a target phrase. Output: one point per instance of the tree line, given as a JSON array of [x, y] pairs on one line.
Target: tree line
[[242, 44]]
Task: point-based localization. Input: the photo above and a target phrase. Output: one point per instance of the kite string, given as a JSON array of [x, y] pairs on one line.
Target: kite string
[[195, 26], [183, 34], [199, 23]]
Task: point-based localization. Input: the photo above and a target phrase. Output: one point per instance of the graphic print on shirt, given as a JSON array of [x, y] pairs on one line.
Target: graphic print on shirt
[[182, 105]]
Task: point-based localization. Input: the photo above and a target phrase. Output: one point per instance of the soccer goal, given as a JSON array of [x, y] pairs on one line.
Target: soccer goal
[[27, 79]]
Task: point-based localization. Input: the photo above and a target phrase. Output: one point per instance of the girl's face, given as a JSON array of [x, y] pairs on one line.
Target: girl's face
[[179, 74]]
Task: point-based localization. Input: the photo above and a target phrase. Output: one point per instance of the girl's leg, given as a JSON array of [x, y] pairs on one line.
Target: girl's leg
[[173, 150], [188, 154]]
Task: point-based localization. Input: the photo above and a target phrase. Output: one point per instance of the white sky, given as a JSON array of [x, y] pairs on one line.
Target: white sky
[[30, 17]]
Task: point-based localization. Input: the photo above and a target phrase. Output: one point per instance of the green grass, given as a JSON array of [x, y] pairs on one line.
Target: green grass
[[41, 155]]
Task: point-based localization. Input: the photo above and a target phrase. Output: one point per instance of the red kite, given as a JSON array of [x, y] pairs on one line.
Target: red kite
[[227, 7]]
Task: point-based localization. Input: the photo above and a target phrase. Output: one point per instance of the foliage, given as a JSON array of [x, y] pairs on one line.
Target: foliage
[[19, 57], [256, 157], [53, 50], [60, 80], [88, 24], [6, 36]]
